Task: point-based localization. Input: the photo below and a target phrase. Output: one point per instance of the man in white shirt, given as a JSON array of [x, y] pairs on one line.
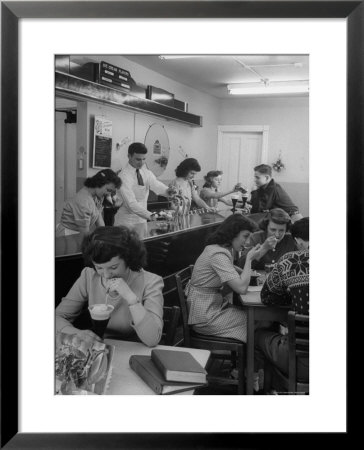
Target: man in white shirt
[[137, 181]]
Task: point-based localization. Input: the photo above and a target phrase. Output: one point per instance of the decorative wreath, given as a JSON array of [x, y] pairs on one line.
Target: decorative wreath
[[278, 165]]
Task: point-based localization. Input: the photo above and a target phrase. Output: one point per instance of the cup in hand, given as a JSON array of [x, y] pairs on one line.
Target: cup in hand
[[100, 315], [268, 268]]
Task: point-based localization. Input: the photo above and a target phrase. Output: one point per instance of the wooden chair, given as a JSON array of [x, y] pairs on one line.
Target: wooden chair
[[171, 315], [298, 347], [172, 331], [231, 349]]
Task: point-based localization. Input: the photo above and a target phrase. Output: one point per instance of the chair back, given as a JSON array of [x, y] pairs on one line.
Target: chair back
[[170, 321], [170, 292], [298, 347], [182, 278]]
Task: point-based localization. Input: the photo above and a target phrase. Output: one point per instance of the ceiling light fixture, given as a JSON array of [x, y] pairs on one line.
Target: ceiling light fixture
[[178, 56], [269, 88]]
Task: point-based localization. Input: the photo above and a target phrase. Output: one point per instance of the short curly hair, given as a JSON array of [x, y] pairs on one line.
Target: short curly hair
[[103, 177], [230, 228], [278, 216], [210, 175], [186, 166], [105, 243]]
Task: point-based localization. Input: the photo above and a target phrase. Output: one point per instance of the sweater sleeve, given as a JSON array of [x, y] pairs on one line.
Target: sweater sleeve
[[283, 200], [274, 291], [71, 305], [149, 328]]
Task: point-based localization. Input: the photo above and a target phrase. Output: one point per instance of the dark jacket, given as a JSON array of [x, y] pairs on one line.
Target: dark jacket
[[270, 196]]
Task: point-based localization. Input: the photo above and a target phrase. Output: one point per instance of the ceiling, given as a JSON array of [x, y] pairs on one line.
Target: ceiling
[[212, 73]]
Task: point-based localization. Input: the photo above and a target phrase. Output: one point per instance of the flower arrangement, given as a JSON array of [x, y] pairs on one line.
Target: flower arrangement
[[278, 165]]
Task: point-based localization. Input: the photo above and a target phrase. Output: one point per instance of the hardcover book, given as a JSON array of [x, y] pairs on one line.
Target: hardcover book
[[148, 372], [178, 366]]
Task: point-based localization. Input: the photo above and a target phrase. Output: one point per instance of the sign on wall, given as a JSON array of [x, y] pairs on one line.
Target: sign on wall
[[102, 145], [157, 143]]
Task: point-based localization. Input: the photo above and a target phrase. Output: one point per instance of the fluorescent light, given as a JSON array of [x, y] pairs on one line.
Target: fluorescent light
[[274, 87], [178, 56]]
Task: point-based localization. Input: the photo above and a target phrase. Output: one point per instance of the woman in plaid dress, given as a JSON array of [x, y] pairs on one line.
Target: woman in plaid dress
[[209, 311]]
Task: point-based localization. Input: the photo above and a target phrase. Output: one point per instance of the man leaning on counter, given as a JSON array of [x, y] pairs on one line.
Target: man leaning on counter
[[137, 181]]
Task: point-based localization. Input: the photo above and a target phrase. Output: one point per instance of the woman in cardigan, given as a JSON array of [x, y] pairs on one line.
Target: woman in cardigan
[[83, 213], [116, 276], [274, 238]]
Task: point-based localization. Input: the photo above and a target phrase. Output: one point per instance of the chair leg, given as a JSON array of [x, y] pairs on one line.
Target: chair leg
[[241, 366], [267, 378]]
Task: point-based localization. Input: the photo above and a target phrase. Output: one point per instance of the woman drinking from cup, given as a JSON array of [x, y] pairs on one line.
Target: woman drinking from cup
[[83, 213], [116, 281], [210, 192], [274, 239]]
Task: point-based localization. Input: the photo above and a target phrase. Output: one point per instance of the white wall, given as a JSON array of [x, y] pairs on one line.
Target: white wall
[[288, 130], [288, 121], [197, 142]]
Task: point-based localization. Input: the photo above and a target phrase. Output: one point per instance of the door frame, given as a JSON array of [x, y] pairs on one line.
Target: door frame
[[264, 129]]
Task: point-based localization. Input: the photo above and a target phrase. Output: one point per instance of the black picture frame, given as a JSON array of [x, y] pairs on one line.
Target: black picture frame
[[11, 12]]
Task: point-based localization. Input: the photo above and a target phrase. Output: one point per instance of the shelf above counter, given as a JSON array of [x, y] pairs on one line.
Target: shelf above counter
[[71, 87]]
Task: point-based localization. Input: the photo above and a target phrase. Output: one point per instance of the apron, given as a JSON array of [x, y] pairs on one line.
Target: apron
[[125, 216]]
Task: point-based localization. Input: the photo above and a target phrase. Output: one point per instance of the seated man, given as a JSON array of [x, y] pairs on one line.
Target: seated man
[[270, 194], [287, 284]]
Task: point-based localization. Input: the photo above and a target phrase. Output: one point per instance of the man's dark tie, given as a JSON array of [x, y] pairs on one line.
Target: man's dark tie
[[140, 178]]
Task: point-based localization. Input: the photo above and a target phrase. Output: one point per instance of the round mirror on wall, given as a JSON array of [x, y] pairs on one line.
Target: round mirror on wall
[[157, 143]]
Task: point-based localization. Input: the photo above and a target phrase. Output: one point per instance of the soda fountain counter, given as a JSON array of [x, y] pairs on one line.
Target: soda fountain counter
[[171, 246]]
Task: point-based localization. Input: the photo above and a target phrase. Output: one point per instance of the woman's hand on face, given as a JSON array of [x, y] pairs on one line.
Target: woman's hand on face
[[254, 253], [270, 243], [116, 285], [120, 286]]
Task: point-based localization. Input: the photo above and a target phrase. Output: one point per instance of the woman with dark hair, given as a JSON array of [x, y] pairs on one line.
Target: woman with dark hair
[[210, 191], [184, 183], [83, 213], [116, 277], [274, 239], [209, 311]]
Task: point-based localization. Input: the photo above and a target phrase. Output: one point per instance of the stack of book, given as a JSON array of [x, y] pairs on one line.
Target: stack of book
[[169, 371], [114, 76]]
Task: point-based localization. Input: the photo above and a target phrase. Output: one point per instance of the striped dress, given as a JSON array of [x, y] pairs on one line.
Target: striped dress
[[209, 312]]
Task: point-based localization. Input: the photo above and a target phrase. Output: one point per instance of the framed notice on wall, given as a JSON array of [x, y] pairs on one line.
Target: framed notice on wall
[[101, 155]]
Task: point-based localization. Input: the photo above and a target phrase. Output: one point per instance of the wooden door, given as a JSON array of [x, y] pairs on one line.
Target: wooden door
[[242, 152]]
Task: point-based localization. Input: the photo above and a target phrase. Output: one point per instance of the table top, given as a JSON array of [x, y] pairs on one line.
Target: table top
[[252, 297], [124, 381]]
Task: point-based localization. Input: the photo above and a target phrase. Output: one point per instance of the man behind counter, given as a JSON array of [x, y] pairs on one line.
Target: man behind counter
[[137, 181], [270, 194]]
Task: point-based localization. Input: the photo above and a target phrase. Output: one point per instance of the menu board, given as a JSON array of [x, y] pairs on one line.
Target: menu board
[[102, 145]]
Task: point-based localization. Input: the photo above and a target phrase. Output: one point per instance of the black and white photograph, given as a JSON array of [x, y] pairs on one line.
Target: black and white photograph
[[182, 224], [164, 166]]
